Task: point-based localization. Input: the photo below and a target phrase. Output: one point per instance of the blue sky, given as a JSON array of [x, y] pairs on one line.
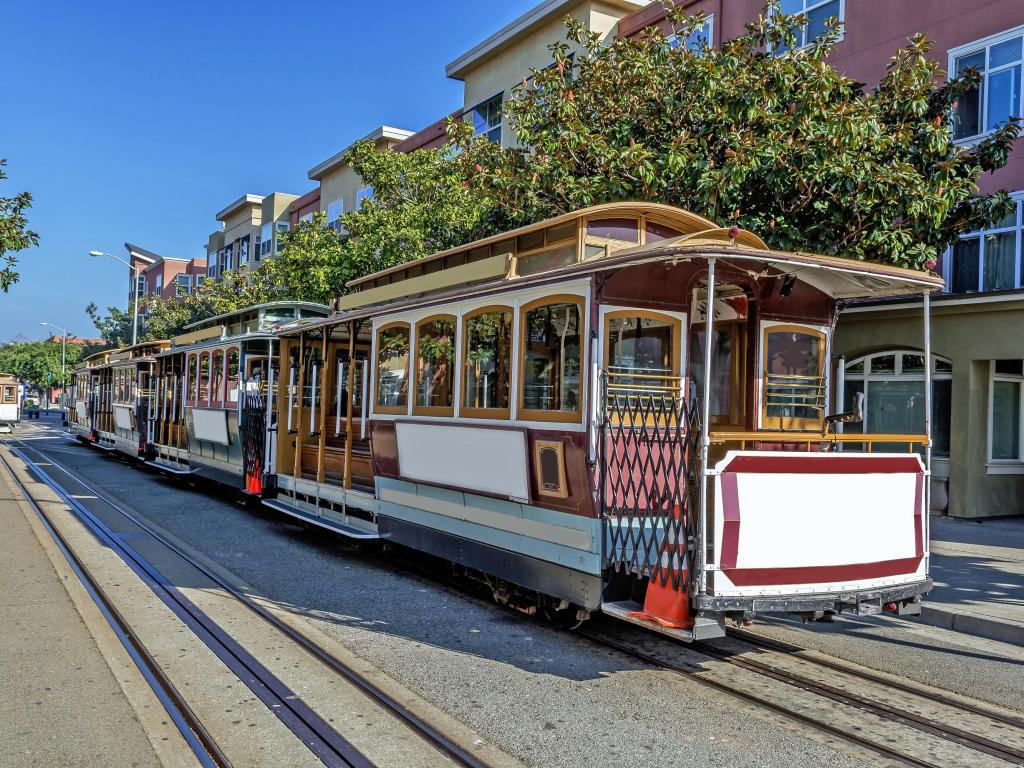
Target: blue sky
[[139, 121]]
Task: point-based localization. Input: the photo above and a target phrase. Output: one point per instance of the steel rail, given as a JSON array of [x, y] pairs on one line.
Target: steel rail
[[429, 733], [933, 696], [761, 701], [326, 743], [184, 718]]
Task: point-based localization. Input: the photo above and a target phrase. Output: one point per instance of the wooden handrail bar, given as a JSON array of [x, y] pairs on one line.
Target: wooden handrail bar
[[810, 438]]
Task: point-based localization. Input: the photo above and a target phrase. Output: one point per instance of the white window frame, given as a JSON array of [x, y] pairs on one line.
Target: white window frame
[[984, 45], [363, 193], [709, 32], [1018, 227], [158, 284], [279, 227], [334, 211], [810, 5], [180, 289], [500, 127], [1004, 466]]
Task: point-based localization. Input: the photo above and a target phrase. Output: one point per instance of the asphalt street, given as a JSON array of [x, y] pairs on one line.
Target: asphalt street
[[545, 696]]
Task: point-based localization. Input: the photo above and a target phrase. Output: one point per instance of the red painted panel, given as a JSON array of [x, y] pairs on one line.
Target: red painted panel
[[825, 574], [826, 465]]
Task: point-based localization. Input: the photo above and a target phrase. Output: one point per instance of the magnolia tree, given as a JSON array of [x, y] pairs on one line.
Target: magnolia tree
[[14, 233], [779, 143]]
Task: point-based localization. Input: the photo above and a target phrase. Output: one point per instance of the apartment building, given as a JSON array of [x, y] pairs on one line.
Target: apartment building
[[164, 277], [978, 322], [249, 232]]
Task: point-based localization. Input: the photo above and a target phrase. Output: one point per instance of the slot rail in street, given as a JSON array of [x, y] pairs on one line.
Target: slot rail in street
[[323, 740]]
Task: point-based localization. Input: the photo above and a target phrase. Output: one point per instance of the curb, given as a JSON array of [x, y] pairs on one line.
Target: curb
[[972, 624]]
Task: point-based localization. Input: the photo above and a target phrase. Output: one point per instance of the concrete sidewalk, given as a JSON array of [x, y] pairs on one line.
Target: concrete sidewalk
[[978, 569], [61, 703]]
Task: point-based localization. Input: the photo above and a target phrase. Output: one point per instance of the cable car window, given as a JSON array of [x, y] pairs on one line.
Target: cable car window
[[435, 366], [193, 379], [794, 378], [642, 356], [393, 368], [727, 359], [217, 393], [488, 362], [623, 230], [552, 359], [653, 232], [233, 375], [204, 376]]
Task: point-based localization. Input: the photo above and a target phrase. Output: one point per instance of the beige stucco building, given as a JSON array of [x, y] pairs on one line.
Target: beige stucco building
[[249, 230]]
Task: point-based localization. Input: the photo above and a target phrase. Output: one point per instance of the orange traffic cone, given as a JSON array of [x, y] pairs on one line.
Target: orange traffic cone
[[254, 483], [664, 604]]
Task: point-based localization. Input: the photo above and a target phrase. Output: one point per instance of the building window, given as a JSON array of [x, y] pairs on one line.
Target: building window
[[1005, 427], [182, 285], [818, 12], [487, 119], [140, 286], [435, 366], [243, 250], [334, 211], [306, 218], [200, 279], [280, 228], [366, 193], [997, 98], [989, 260], [158, 285], [552, 359], [229, 258], [266, 240], [893, 387], [699, 40]]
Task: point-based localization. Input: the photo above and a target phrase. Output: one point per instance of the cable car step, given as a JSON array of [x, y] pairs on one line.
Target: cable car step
[[105, 447], [350, 531], [703, 628], [174, 469]]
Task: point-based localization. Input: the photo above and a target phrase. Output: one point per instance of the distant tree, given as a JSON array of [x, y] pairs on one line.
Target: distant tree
[[37, 363], [312, 264], [115, 327], [14, 233], [757, 133]]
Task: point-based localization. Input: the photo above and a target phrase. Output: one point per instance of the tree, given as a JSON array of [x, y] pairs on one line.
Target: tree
[[14, 233], [115, 327], [311, 266], [37, 363], [778, 143]]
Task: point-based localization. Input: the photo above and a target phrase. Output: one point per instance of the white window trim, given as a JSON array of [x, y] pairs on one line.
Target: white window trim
[[810, 5], [1004, 466], [973, 47], [947, 261]]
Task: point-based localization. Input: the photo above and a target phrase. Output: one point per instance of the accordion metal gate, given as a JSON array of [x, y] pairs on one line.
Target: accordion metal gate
[[254, 439], [649, 485]]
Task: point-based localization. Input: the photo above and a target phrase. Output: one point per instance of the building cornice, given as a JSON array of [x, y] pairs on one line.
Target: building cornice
[[384, 132], [512, 33], [244, 200]]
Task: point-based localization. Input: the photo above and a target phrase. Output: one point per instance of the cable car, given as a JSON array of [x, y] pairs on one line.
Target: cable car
[[626, 409], [10, 407], [204, 417], [88, 406]]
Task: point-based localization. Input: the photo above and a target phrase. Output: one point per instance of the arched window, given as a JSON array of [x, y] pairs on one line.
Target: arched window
[[392, 381], [893, 387], [193, 379], [204, 377], [551, 359], [217, 392], [435, 366], [233, 375], [487, 362]]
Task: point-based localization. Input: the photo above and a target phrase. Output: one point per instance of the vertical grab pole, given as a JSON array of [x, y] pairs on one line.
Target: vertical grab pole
[[337, 398], [925, 522], [312, 399], [705, 430], [364, 399], [347, 476], [595, 398], [291, 390], [267, 455]]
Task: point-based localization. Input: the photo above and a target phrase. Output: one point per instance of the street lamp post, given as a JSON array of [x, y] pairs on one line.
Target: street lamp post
[[63, 358], [135, 291]]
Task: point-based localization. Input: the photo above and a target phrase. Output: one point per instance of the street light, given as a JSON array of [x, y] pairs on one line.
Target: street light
[[63, 348], [135, 291]]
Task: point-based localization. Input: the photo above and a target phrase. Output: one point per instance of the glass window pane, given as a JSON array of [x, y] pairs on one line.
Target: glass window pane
[[1011, 367], [883, 364], [641, 353], [968, 113], [1000, 258], [614, 229], [488, 360], [217, 394], [1004, 53], [792, 7], [896, 407], [943, 366], [722, 363], [1006, 420], [965, 265], [942, 404], [392, 365], [855, 367], [547, 260], [233, 376], [913, 363], [551, 361], [816, 20], [794, 387], [656, 232], [1003, 97], [975, 60], [435, 363]]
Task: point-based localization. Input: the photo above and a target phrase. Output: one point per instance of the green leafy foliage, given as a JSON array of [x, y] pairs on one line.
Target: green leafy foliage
[[311, 265], [14, 233], [782, 145], [37, 363]]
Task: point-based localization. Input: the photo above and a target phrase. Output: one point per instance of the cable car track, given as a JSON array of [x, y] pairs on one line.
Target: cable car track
[[1009, 754], [331, 747]]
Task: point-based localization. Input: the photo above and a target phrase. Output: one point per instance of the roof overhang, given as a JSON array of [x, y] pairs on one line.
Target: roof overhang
[[238, 204], [512, 33], [385, 132]]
